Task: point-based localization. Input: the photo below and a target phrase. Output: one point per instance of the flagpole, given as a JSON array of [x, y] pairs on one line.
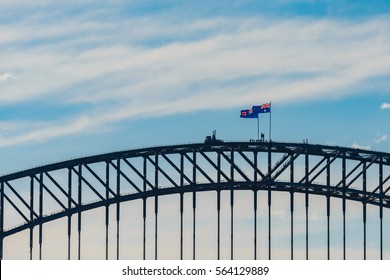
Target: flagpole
[[258, 127], [270, 112]]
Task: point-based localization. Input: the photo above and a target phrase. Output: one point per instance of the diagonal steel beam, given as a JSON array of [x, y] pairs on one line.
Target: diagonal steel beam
[[349, 174], [16, 208], [59, 187], [215, 166], [279, 163], [284, 167], [313, 169], [325, 167], [138, 173], [251, 164], [88, 184], [50, 192], [360, 173], [384, 182], [99, 179], [162, 172], [197, 167], [235, 167], [126, 178], [21, 199], [176, 168]]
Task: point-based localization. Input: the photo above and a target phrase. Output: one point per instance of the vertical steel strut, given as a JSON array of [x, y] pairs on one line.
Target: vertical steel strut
[[181, 225], [107, 206], [292, 207], [144, 210], [232, 206], [307, 202], [156, 209], [144, 229], [194, 207], [181, 186], [69, 208], [218, 207], [381, 205], [255, 207], [1, 220], [364, 212], [118, 209], [344, 203], [193, 225], [269, 200], [231, 224], [79, 213], [328, 206], [156, 227], [255, 224], [219, 225], [31, 215], [40, 213]]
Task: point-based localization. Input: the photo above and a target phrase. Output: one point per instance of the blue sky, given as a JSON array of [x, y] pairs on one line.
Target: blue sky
[[88, 77]]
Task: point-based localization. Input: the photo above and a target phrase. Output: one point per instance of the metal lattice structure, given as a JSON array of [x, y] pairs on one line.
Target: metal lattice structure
[[113, 178]]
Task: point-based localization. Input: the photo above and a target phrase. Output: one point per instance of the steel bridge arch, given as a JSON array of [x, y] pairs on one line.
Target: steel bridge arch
[[231, 166]]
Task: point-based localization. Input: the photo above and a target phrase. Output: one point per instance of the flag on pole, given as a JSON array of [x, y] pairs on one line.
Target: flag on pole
[[265, 108], [254, 114], [250, 113]]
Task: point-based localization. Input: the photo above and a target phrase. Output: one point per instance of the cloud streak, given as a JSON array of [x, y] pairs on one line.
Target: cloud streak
[[385, 106], [6, 76], [126, 69], [357, 146], [381, 138]]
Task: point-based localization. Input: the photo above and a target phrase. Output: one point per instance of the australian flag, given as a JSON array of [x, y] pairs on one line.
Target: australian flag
[[265, 108]]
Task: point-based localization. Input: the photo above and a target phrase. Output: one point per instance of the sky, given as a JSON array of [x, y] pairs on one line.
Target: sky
[[88, 77]]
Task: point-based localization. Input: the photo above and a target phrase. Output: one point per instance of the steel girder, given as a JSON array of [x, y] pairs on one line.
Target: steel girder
[[157, 171]]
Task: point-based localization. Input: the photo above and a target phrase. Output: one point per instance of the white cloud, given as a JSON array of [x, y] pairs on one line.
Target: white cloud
[[5, 76], [14, 133], [246, 51], [381, 138], [357, 146], [385, 106], [138, 66]]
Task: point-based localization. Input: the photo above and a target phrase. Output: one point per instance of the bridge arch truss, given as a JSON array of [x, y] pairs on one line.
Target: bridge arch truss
[[67, 189]]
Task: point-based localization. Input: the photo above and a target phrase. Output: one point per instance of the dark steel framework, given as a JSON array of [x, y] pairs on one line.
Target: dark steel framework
[[153, 172]]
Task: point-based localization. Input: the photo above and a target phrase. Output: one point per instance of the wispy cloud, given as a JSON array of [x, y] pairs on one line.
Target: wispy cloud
[[385, 106], [129, 68], [381, 138], [5, 76], [357, 146]]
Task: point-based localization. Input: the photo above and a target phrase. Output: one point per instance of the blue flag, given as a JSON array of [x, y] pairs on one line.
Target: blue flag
[[249, 114], [265, 108]]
